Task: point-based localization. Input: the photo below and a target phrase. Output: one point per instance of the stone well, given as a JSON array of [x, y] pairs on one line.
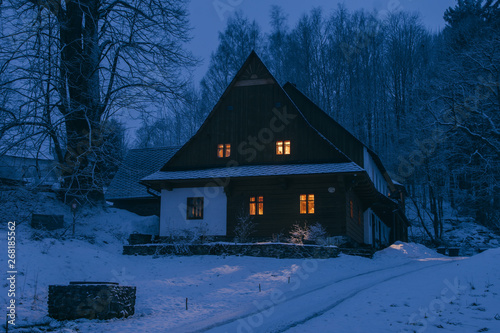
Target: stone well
[[91, 300]]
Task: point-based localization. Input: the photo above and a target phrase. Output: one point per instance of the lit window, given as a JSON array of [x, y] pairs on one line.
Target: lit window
[[220, 151], [252, 206], [307, 204], [283, 147], [261, 206], [257, 206], [287, 147], [279, 147], [223, 150], [194, 208]]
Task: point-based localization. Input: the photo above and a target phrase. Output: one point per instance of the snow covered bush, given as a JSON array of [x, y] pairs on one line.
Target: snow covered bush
[[299, 233], [244, 228], [315, 233], [197, 235]]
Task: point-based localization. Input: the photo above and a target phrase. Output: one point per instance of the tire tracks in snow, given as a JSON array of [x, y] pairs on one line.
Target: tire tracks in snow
[[205, 326], [330, 307]]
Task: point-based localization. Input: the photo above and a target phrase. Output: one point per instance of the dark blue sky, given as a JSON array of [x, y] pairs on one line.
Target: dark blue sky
[[208, 17]]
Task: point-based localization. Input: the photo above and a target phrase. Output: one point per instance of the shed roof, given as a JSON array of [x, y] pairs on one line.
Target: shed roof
[[136, 165]]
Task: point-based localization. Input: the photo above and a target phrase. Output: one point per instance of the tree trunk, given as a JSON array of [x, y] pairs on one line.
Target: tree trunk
[[81, 100]]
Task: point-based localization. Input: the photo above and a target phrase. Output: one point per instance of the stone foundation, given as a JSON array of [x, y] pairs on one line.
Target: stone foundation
[[91, 301], [253, 250]]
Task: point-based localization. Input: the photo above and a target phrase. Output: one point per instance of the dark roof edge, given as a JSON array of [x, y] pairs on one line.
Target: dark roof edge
[[226, 91], [311, 126], [375, 157]]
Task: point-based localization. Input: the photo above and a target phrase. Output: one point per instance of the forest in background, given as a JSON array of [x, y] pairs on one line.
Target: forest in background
[[427, 102]]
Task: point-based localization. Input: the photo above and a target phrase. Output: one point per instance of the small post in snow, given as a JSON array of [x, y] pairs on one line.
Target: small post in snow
[[259, 287], [186, 303], [74, 206]]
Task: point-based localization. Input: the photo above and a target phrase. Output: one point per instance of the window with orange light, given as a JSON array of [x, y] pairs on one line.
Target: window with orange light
[[307, 204], [279, 147], [257, 205], [287, 147], [194, 208], [223, 150], [283, 147]]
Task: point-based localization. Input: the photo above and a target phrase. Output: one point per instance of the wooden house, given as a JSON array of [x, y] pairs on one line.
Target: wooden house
[[268, 152]]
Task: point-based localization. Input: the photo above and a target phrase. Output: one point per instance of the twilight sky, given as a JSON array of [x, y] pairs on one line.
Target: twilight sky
[[208, 17]]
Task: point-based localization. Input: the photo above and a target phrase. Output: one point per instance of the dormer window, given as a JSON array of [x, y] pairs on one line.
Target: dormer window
[[223, 150], [283, 147]]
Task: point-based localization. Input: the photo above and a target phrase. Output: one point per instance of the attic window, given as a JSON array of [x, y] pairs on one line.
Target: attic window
[[194, 208], [257, 205], [307, 204], [283, 147], [223, 150]]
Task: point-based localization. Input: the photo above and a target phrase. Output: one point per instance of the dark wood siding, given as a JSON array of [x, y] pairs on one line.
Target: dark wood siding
[[252, 119], [282, 203], [332, 130], [355, 224]]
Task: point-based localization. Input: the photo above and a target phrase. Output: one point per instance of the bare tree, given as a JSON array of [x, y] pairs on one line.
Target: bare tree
[[276, 49], [73, 64], [178, 121], [235, 44], [464, 106]]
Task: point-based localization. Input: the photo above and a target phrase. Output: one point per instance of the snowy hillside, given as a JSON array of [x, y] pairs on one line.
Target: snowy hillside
[[405, 288]]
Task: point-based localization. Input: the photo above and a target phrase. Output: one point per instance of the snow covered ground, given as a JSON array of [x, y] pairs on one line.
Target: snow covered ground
[[405, 288]]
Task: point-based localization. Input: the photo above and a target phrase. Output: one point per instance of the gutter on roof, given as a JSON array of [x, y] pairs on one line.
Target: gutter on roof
[[148, 189]]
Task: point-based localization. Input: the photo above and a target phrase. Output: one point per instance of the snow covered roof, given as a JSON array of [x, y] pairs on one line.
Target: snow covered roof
[[256, 171], [137, 164]]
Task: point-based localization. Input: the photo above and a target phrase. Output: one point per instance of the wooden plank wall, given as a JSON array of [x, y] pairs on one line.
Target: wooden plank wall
[[337, 134], [246, 113], [355, 225], [282, 203]]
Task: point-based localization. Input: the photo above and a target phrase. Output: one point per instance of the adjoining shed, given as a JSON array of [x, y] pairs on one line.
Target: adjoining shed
[[126, 192]]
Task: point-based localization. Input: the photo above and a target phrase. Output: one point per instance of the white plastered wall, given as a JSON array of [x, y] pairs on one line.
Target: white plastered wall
[[173, 219], [374, 173], [373, 224]]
